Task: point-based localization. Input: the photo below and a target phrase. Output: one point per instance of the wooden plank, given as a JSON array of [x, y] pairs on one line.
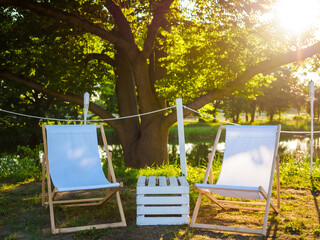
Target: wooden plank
[[183, 162], [152, 181], [163, 190], [173, 181], [76, 201], [268, 196], [166, 200], [213, 152], [264, 194], [99, 226], [196, 209], [183, 181], [184, 219], [109, 157], [141, 181], [162, 210], [162, 181], [122, 216], [245, 208], [278, 181], [226, 228], [244, 203]]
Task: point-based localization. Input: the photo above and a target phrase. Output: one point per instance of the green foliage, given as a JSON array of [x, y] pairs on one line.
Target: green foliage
[[12, 236], [23, 165], [22, 130], [91, 234], [316, 231], [295, 227]]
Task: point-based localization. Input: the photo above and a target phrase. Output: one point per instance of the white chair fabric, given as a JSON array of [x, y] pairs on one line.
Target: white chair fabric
[[247, 162], [74, 159]]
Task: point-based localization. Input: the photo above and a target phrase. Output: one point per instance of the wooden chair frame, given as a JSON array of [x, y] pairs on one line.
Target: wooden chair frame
[[227, 204], [79, 202]]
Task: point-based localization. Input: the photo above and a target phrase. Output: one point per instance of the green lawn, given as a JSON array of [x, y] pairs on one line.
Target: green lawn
[[23, 217]]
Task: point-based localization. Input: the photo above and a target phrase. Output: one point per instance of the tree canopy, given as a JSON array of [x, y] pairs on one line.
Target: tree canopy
[[138, 56]]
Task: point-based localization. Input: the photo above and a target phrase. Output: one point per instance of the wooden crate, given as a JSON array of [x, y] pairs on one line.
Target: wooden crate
[[162, 201]]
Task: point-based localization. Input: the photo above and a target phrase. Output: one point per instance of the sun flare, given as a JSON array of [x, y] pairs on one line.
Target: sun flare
[[298, 15]]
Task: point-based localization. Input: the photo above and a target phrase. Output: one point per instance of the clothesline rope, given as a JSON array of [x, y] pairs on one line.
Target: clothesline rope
[[192, 110], [81, 120], [138, 115], [291, 132]]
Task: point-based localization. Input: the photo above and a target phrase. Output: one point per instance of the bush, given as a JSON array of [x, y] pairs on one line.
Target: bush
[[23, 165]]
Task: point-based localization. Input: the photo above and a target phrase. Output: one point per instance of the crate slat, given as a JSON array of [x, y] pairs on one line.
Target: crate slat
[[167, 200], [141, 181], [184, 219], [183, 181], [152, 181], [162, 210], [162, 181], [173, 181]]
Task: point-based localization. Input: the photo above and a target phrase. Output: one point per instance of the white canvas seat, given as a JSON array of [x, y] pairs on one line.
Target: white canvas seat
[[247, 172], [72, 163]]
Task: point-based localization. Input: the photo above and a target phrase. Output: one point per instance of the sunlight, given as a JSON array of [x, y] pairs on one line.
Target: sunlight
[[298, 15]]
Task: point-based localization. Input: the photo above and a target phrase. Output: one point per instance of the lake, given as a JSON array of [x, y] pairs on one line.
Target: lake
[[197, 152]]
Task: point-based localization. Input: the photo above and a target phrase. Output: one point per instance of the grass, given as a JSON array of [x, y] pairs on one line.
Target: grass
[[21, 214]]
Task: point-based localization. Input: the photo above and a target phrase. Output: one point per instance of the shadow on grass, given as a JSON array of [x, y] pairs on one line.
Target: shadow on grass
[[315, 191], [273, 228]]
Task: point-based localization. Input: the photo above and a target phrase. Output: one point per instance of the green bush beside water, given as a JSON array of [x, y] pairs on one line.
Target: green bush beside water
[[23, 165]]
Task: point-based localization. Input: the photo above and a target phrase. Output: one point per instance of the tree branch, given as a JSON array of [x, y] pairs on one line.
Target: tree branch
[[120, 20], [100, 57], [262, 67], [69, 97], [153, 28], [46, 10]]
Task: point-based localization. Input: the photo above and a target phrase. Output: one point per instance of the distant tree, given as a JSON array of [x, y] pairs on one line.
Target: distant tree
[[233, 106], [278, 97]]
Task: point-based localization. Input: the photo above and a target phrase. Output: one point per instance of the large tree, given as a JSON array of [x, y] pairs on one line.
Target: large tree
[[144, 52]]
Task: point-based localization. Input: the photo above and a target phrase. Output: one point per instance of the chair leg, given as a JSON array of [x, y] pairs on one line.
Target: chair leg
[[196, 210], [123, 218], [52, 222]]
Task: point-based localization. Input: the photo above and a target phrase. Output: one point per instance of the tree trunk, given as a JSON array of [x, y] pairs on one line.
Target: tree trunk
[[147, 148], [143, 139], [271, 116], [253, 113]]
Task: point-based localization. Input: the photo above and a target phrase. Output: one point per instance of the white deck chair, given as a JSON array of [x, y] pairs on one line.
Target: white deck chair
[[247, 172], [72, 163]]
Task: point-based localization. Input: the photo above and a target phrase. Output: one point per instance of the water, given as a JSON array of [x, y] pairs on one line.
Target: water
[[197, 153]]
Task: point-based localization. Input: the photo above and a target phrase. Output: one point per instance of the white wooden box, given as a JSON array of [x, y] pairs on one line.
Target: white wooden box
[[162, 201]]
